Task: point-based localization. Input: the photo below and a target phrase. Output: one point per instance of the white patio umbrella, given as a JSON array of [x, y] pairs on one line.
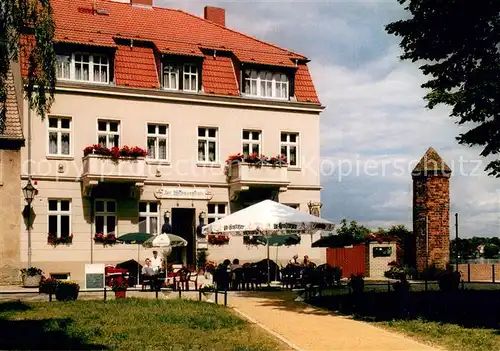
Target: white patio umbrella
[[268, 218], [165, 241]]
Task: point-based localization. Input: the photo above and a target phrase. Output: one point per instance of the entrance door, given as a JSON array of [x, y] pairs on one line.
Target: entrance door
[[183, 225]]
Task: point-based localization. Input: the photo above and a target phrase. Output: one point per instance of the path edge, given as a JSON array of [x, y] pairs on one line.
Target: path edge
[[267, 329]]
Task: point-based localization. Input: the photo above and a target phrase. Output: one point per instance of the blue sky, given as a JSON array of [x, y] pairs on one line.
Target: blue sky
[[375, 114]]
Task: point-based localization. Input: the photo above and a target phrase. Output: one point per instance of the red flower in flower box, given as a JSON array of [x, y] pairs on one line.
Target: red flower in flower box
[[235, 159], [217, 239]]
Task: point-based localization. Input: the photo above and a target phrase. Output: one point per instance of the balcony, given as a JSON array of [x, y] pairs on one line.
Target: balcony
[[98, 168], [242, 175]]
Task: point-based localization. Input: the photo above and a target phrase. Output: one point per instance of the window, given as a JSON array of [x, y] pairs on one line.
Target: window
[[266, 84], [382, 251], [251, 142], [59, 213], [105, 217], [207, 144], [149, 217], [63, 67], [170, 77], [289, 147], [108, 133], [157, 141], [59, 136], [190, 82], [216, 212], [83, 67]]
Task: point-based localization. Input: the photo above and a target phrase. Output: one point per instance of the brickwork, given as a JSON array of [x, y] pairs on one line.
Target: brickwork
[[479, 272], [377, 266], [431, 200]]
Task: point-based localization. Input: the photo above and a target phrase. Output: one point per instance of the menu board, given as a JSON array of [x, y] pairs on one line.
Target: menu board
[[94, 276]]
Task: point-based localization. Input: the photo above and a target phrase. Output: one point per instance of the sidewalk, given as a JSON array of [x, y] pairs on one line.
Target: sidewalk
[[308, 328]]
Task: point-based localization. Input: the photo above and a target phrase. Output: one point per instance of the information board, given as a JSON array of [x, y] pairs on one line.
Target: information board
[[94, 276]]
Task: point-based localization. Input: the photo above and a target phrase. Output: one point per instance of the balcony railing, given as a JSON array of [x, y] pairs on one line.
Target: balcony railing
[[244, 174], [104, 168]]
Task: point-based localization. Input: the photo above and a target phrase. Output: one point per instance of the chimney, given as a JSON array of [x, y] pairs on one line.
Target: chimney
[[145, 3], [216, 15]]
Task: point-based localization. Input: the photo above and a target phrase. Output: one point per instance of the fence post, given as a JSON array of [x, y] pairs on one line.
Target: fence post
[[199, 295], [180, 292], [468, 272], [493, 273], [388, 286], [225, 297], [50, 297], [216, 296], [156, 291], [104, 292]]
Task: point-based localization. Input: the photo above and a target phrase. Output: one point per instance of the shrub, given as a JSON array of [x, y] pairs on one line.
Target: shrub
[[357, 283], [449, 281], [397, 270], [67, 290], [431, 273], [402, 286]]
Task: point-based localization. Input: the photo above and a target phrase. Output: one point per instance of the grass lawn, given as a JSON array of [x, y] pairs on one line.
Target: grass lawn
[[449, 336], [128, 324]]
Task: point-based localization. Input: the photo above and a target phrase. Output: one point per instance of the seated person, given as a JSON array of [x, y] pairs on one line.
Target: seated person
[[235, 264], [156, 262], [148, 270], [295, 260], [306, 261]]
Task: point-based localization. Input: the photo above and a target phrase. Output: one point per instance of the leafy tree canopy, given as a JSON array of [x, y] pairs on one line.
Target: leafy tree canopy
[[33, 18], [458, 42], [353, 230]]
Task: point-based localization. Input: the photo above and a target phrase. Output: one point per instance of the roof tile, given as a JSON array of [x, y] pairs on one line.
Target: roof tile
[[135, 67], [13, 129]]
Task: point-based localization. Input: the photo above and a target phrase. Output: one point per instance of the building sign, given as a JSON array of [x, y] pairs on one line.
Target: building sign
[[94, 276], [183, 193]]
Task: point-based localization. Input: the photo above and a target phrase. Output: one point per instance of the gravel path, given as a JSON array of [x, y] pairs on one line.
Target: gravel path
[[308, 328]]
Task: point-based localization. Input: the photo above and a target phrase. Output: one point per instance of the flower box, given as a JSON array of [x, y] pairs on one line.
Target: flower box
[[54, 240], [101, 167], [108, 239], [251, 173], [218, 240]]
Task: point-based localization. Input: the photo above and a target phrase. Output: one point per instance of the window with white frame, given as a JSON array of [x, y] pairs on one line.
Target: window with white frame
[[216, 212], [83, 67], [59, 218], [149, 217], [108, 133], [63, 67], [59, 136], [207, 144], [105, 217], [190, 74], [251, 140], [266, 84], [170, 76], [157, 142], [290, 147]]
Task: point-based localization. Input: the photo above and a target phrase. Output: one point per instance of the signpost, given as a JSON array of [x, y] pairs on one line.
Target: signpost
[[94, 276]]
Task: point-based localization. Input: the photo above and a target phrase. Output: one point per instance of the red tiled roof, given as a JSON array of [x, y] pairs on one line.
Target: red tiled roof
[[135, 67], [13, 129], [218, 76], [171, 32], [304, 87]]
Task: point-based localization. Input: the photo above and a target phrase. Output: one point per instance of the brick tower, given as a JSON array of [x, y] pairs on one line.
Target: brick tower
[[431, 211]]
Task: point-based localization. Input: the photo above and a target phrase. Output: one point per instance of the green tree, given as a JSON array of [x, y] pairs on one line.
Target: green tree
[[353, 230], [32, 18], [491, 251], [458, 43]]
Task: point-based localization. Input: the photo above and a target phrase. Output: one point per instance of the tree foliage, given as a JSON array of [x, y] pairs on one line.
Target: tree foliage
[[458, 42], [21, 19], [353, 230]]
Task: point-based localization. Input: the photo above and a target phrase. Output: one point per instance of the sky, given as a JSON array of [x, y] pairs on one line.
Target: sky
[[375, 126]]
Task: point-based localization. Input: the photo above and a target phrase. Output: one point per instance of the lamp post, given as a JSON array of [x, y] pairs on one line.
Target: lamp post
[[29, 192]]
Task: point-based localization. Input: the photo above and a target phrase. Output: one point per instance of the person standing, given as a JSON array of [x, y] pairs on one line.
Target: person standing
[[156, 262]]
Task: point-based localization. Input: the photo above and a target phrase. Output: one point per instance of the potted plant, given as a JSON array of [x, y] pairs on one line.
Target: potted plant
[[119, 285], [48, 286], [31, 277], [208, 291], [67, 290]]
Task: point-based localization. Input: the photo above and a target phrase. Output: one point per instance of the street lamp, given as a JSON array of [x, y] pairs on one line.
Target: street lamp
[[29, 192]]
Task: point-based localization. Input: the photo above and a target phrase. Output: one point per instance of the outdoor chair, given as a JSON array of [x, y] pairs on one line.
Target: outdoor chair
[[222, 278], [181, 279], [193, 278], [146, 281]]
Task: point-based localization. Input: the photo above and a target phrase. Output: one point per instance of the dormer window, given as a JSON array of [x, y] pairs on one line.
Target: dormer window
[[170, 76], [83, 67], [190, 78], [266, 84], [181, 76]]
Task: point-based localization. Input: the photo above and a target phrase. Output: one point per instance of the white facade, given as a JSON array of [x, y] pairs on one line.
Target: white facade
[[83, 115]]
